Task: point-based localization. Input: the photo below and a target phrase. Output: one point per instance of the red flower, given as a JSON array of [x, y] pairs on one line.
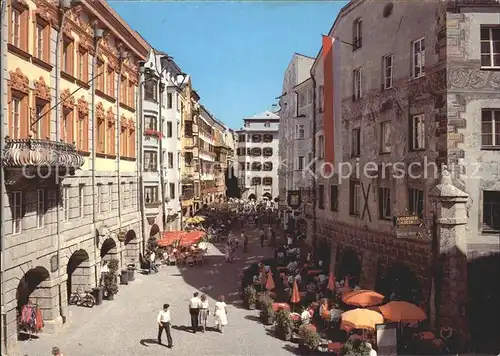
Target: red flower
[[151, 132]]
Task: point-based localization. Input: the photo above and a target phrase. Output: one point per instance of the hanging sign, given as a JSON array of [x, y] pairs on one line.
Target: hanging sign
[[294, 199]]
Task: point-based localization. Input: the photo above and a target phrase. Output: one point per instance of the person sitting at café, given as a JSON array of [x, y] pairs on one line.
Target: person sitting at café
[[290, 280], [292, 266], [305, 316], [322, 278], [298, 277]]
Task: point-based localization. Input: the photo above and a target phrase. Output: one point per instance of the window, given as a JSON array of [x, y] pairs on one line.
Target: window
[[256, 138], [123, 89], [40, 207], [268, 151], [267, 138], [100, 198], [321, 146], [169, 128], [150, 90], [170, 156], [67, 57], [388, 63], [357, 83], [40, 41], [38, 127], [417, 132], [267, 124], [67, 126], [83, 65], [151, 122], [355, 198], [131, 142], [355, 142], [300, 163], [267, 181], [242, 138], [81, 201], [177, 102], [15, 124], [299, 132], [302, 98], [267, 166], [18, 31], [111, 82], [490, 128], [17, 212], [65, 203], [131, 94], [150, 161], [151, 195], [110, 196], [321, 97], [169, 100], [321, 196], [100, 75], [188, 158], [384, 203], [419, 58], [491, 210], [172, 190], [110, 141], [357, 33], [309, 96], [82, 129], [256, 181], [490, 47], [385, 137], [416, 202], [256, 151], [16, 27], [334, 198], [256, 166]]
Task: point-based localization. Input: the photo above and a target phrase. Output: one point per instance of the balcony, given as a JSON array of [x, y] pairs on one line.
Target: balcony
[[36, 158]]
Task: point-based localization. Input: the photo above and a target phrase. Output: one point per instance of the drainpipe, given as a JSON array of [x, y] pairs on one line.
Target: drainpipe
[[3, 68], [314, 192], [140, 168], [118, 146], [162, 178]]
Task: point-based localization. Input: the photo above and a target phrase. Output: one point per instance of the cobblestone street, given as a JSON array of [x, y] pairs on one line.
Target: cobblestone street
[[127, 325]]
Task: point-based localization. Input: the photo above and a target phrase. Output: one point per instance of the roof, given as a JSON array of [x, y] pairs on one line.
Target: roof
[[302, 84], [263, 115]]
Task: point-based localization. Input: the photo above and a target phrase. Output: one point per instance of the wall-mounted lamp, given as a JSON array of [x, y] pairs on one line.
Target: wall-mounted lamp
[[98, 33]]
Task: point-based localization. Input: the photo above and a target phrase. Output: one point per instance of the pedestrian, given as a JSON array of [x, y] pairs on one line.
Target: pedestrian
[[245, 242], [227, 251], [104, 272], [56, 351], [262, 237], [204, 311], [152, 262], [194, 311], [220, 313], [164, 322]]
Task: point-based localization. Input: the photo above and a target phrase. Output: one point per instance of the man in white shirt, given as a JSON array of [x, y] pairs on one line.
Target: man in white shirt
[[104, 271], [194, 311], [372, 351], [152, 263], [163, 320], [298, 278], [305, 317], [292, 266]]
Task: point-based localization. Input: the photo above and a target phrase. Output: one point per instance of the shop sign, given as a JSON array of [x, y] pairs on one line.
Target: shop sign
[[294, 199], [407, 220]]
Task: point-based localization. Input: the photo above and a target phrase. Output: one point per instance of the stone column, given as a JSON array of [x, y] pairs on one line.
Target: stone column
[[449, 296]]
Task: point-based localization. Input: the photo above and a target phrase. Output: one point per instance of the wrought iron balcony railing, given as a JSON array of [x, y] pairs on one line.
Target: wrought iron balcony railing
[[31, 152]]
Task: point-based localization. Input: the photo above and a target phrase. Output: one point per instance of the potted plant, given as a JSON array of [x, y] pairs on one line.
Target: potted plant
[[267, 312], [250, 297], [111, 280], [263, 299], [355, 348], [284, 324], [309, 338]]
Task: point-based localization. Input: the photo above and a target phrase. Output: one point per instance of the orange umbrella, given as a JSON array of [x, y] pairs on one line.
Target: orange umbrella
[[398, 311], [263, 278], [360, 319], [270, 282], [362, 298], [295, 293], [331, 282]]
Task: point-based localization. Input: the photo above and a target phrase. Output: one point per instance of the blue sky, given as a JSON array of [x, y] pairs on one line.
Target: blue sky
[[236, 52]]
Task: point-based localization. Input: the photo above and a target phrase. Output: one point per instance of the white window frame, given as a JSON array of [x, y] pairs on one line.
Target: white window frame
[[384, 203], [492, 54], [39, 34], [16, 117], [65, 202], [388, 71], [40, 208], [81, 200], [153, 119], [494, 126], [16, 27], [17, 212], [418, 58], [385, 137], [358, 33], [300, 163], [418, 132], [155, 193], [357, 83], [300, 132], [110, 196]]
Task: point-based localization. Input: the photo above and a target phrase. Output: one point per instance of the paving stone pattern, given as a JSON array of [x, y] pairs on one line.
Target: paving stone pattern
[[127, 325]]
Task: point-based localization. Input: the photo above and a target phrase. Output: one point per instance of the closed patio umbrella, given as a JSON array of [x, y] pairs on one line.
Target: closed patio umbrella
[[270, 282], [331, 282]]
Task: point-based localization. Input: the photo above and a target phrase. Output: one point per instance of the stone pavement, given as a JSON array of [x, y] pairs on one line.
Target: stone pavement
[[127, 325]]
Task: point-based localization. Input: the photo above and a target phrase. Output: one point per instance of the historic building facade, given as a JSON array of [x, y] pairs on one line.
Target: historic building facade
[[69, 142], [424, 98], [258, 157]]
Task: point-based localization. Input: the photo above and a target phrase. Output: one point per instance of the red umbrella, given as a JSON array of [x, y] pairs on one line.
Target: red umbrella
[[331, 282], [263, 278], [270, 282], [295, 293], [169, 237]]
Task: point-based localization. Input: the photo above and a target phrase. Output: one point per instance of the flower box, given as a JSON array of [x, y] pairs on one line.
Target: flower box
[[151, 132]]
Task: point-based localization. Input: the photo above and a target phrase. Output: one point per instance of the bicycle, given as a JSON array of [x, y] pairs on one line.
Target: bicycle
[[82, 298]]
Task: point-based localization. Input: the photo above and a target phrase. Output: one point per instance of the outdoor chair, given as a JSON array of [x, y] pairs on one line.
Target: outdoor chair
[[190, 261], [172, 260], [198, 259]]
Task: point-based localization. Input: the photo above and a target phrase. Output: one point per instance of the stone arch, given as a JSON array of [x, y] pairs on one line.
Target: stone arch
[[401, 282], [79, 272], [130, 236], [252, 197], [109, 249], [349, 265], [267, 195]]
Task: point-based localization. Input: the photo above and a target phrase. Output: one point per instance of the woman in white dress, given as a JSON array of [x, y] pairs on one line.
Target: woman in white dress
[[220, 313]]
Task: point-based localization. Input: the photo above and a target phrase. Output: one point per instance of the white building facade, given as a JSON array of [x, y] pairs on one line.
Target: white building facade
[[258, 157]]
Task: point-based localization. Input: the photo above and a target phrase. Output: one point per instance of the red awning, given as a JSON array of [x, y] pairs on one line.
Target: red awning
[[185, 238]]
